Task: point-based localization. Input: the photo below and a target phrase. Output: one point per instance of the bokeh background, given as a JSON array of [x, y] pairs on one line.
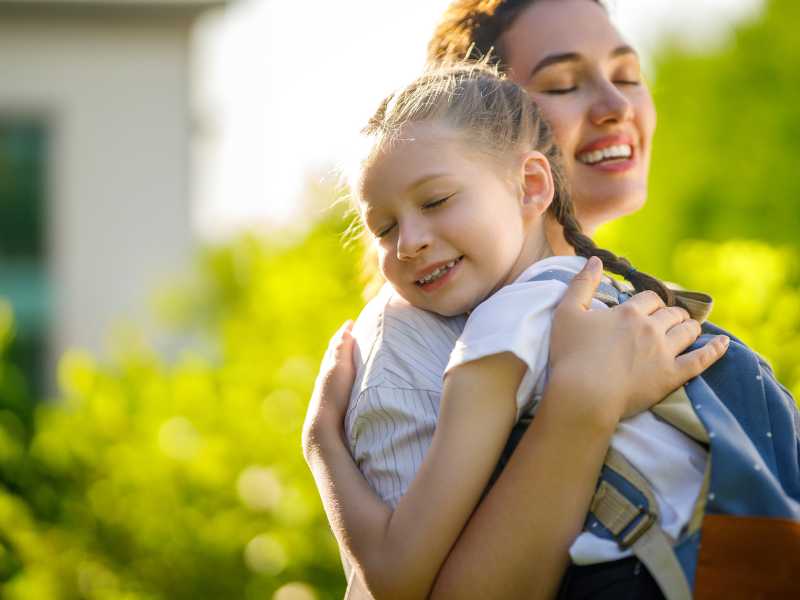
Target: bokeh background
[[170, 271]]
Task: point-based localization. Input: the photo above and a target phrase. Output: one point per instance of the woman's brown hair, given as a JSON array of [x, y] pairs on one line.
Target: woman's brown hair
[[471, 29]]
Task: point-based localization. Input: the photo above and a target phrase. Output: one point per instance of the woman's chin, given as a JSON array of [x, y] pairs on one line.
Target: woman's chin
[[598, 210]]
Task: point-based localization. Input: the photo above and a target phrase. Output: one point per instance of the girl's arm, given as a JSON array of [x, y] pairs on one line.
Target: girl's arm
[[517, 539], [399, 552]]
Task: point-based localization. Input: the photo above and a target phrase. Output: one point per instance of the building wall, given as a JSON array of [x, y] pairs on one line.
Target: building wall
[[114, 92]]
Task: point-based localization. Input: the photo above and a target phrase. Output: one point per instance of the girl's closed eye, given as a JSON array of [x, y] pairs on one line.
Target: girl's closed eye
[[439, 202], [384, 231]]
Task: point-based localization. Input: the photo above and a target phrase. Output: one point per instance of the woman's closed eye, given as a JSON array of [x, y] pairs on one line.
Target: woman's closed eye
[[559, 91]]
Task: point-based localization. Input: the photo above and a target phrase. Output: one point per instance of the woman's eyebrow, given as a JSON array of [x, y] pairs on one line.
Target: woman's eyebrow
[[553, 59], [566, 57]]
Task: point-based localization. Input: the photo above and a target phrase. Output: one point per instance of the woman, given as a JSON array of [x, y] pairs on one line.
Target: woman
[[587, 82]]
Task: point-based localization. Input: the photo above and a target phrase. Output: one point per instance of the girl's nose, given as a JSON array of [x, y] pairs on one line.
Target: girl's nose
[[413, 239], [610, 105]]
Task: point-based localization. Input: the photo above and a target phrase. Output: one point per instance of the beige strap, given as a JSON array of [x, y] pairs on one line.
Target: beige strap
[[654, 549], [649, 543], [702, 499], [697, 304], [676, 409], [620, 464]]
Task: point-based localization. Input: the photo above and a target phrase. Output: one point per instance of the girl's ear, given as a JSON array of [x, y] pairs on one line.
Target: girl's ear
[[537, 184]]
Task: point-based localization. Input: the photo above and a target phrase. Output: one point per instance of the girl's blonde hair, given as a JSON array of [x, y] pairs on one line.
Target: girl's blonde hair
[[495, 117]]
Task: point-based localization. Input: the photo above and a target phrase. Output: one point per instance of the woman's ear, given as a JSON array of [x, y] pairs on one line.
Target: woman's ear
[[537, 184]]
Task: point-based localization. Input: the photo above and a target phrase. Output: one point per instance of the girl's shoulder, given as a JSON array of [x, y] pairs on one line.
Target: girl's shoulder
[[400, 345]]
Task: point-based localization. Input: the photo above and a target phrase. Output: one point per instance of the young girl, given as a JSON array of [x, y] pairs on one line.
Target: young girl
[[454, 190]]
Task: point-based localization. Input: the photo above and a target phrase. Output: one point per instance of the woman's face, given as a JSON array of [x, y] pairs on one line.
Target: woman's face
[[586, 80]]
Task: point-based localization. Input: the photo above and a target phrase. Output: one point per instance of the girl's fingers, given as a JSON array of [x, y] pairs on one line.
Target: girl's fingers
[[695, 362]]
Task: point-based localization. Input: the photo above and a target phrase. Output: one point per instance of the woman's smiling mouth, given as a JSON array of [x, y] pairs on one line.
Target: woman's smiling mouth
[[619, 151]]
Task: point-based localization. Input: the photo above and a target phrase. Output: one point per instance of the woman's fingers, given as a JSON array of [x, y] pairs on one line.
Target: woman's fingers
[[695, 362], [333, 386], [340, 347], [681, 335], [669, 316], [645, 303], [579, 293]]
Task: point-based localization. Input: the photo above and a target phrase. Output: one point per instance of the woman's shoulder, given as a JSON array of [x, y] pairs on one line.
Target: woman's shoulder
[[400, 345]]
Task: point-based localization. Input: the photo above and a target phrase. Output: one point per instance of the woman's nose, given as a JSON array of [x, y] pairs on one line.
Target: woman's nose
[[610, 105], [413, 239]]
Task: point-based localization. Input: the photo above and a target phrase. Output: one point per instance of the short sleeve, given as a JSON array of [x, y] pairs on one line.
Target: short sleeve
[[516, 319]]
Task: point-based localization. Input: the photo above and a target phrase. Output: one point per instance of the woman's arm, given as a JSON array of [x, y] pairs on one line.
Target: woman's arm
[[516, 543]]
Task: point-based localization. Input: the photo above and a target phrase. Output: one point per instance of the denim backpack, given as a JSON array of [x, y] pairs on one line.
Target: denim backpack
[[751, 427]]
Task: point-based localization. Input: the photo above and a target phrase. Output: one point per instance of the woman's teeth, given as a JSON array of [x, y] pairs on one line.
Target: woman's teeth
[[596, 156], [438, 272]]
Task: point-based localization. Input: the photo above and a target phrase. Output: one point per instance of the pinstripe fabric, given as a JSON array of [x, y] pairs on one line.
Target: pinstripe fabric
[[401, 354]]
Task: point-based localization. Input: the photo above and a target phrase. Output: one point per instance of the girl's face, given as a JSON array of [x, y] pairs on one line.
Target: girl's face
[[448, 227], [586, 80]]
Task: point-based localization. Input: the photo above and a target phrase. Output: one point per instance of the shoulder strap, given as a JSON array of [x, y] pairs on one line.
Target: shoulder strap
[[606, 292], [697, 304], [636, 526]]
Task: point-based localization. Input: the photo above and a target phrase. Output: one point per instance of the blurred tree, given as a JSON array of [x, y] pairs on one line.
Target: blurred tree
[[186, 481], [725, 168]]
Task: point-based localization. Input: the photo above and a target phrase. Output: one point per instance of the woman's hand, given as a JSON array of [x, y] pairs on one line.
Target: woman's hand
[[629, 357], [332, 388]]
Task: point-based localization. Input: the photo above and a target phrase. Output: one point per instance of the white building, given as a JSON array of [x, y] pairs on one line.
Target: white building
[[95, 138]]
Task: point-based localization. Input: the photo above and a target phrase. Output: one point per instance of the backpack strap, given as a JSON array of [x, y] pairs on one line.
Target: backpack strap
[[637, 527], [613, 292]]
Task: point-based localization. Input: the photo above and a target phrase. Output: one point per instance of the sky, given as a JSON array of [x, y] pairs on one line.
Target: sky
[[281, 87]]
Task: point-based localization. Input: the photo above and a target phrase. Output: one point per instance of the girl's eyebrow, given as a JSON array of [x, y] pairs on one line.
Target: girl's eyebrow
[[567, 57], [425, 179]]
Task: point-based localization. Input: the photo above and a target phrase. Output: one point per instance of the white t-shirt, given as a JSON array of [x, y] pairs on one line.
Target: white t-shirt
[[518, 319]]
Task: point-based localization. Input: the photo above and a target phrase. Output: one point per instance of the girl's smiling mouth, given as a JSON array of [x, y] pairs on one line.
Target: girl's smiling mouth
[[435, 278]]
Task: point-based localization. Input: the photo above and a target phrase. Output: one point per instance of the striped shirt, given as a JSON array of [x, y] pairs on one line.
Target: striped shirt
[[401, 354]]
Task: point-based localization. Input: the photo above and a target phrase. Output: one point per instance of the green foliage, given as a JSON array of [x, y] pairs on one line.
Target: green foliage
[[185, 481], [724, 206]]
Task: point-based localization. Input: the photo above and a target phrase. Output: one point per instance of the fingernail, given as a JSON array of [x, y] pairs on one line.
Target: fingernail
[[724, 340], [594, 264]]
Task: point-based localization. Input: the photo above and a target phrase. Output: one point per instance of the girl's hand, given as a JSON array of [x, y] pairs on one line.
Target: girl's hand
[[628, 358], [332, 388]]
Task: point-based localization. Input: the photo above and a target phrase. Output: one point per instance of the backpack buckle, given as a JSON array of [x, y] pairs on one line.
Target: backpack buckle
[[645, 522]]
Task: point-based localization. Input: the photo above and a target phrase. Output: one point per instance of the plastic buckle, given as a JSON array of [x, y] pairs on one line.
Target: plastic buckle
[[638, 530]]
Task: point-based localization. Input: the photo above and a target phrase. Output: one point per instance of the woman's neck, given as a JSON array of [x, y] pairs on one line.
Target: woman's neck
[[555, 238]]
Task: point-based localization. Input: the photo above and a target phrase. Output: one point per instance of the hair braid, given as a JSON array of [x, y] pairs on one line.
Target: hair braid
[[585, 246]]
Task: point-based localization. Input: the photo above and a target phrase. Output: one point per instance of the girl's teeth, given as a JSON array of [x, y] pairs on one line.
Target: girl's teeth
[[437, 273], [619, 151]]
